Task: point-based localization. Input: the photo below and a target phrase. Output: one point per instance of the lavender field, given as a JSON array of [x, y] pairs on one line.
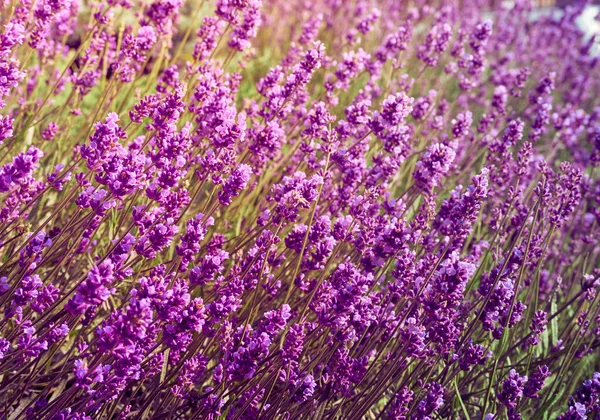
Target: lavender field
[[298, 209]]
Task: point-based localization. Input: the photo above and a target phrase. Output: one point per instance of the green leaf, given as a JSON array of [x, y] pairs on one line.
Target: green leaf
[[163, 372], [546, 410], [554, 322], [460, 401], [545, 341]]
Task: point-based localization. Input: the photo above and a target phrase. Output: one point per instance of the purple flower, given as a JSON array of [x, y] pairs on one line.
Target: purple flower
[[206, 214], [46, 297], [436, 42], [14, 34], [10, 77], [586, 400], [294, 193], [207, 37], [190, 241], [6, 128], [103, 142], [305, 388], [536, 381], [94, 290], [436, 162], [472, 355], [237, 181], [247, 29], [164, 14], [50, 131], [512, 389], [28, 291], [433, 400], [19, 171], [401, 404], [462, 124]]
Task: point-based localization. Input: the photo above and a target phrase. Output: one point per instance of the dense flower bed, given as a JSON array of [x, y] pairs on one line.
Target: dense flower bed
[[298, 209]]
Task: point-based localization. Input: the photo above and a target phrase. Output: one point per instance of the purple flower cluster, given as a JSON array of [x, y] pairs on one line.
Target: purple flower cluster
[[298, 209]]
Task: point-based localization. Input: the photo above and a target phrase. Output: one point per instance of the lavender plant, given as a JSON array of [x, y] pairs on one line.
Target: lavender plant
[[298, 209]]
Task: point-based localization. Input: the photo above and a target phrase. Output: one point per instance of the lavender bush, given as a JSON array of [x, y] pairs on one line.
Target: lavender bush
[[298, 209]]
